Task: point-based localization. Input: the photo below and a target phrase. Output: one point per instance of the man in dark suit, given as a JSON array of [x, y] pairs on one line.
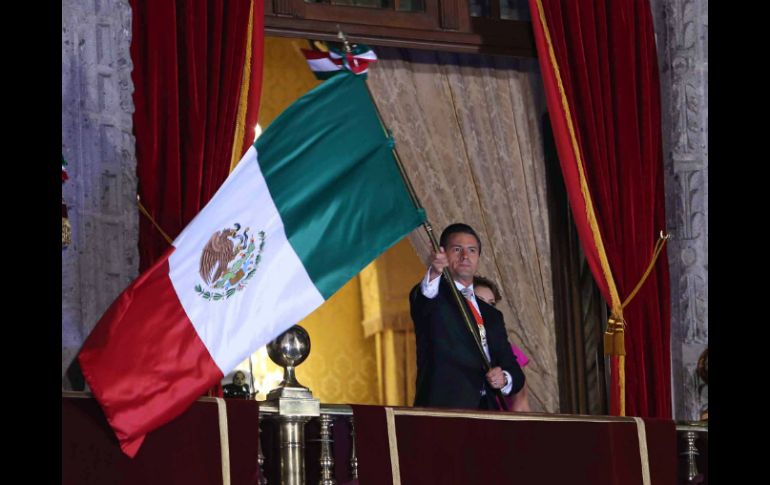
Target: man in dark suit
[[450, 369]]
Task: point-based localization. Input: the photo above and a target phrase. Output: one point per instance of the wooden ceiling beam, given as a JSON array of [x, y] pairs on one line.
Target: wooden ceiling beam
[[488, 36]]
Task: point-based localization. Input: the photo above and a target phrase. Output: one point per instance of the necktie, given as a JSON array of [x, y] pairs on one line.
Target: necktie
[[468, 294]]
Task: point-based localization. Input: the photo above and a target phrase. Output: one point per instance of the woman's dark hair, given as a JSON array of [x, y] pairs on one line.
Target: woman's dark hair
[[481, 281]]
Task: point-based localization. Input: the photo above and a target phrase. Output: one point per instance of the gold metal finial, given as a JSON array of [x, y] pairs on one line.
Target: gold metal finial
[[344, 38]]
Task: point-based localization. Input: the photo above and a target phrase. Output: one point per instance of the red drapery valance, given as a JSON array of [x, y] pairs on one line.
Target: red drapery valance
[[599, 68]]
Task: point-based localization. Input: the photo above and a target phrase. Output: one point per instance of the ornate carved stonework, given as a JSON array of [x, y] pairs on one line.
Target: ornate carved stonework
[[98, 144], [681, 28], [692, 217], [694, 305]]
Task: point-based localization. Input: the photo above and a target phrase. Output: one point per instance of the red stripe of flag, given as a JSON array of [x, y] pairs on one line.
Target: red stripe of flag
[[144, 361]]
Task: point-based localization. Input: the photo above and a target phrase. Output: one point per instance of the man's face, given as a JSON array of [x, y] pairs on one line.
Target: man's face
[[463, 255]]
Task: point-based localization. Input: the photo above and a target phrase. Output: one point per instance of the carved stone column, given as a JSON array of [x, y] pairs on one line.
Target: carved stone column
[[98, 144], [681, 29]]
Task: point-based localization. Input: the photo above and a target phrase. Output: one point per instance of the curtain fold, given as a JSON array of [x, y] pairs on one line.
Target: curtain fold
[[251, 85], [467, 128], [189, 59], [601, 80]]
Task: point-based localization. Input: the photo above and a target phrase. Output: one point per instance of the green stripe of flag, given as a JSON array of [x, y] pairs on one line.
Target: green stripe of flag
[[333, 177], [324, 75]]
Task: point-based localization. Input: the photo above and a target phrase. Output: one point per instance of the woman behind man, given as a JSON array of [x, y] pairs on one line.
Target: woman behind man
[[487, 291]]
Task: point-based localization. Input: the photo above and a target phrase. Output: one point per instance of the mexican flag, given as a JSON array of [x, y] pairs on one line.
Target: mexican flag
[[316, 199], [326, 64]]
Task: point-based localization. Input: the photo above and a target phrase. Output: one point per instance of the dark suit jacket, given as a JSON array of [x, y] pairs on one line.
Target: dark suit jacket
[[450, 368]]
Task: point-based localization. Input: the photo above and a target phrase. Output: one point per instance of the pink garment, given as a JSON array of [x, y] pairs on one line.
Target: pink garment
[[522, 359]]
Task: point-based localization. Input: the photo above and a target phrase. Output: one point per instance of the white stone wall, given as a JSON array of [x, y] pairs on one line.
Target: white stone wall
[[98, 144], [681, 28]]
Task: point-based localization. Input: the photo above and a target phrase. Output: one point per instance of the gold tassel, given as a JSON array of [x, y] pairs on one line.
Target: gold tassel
[[614, 337], [66, 232]]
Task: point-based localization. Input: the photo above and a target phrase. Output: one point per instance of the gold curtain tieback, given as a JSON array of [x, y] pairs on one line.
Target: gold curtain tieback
[[662, 239], [152, 220], [614, 342]]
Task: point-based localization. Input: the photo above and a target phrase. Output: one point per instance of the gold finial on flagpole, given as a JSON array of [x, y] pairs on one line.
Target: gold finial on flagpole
[[344, 38]]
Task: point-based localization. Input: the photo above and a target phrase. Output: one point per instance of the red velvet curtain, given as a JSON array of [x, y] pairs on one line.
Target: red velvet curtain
[[600, 70], [188, 60]]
